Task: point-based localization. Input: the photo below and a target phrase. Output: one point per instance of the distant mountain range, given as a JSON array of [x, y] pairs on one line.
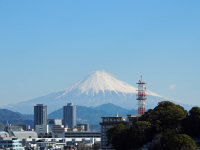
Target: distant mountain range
[[91, 115], [95, 89], [15, 118]]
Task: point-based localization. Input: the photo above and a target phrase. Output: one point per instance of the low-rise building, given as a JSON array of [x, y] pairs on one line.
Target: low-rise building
[[19, 134], [10, 143], [58, 131], [52, 122], [42, 129], [131, 119], [83, 127], [107, 123]]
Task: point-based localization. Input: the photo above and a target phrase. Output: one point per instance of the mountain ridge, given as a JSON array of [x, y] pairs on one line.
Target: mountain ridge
[[95, 89], [89, 115], [92, 115]]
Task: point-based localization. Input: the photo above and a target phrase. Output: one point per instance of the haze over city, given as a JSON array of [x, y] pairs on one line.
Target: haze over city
[[46, 46]]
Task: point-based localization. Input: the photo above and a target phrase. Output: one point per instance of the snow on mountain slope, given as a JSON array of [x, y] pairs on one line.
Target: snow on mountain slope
[[96, 89], [100, 81]]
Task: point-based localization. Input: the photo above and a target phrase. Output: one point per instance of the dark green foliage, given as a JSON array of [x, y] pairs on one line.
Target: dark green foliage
[[123, 137], [194, 113], [117, 136], [166, 137], [163, 125], [192, 123], [165, 115], [140, 133], [178, 142]]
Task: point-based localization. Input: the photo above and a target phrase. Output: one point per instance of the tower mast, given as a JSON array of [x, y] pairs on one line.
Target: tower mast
[[141, 96]]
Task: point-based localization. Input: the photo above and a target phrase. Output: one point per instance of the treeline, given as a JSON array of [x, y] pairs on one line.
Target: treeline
[[167, 127]]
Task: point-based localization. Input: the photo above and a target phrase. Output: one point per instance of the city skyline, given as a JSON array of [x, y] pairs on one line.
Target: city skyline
[[48, 46]]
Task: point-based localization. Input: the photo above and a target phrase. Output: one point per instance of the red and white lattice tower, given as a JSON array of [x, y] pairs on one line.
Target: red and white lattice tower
[[141, 97]]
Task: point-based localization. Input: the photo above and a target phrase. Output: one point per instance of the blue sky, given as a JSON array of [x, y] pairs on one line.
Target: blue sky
[[48, 45]]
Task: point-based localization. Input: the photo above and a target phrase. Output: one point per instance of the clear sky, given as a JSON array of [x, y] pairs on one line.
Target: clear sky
[[48, 45]]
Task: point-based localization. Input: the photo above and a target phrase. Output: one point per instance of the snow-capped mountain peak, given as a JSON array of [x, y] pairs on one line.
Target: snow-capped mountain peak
[[101, 81]]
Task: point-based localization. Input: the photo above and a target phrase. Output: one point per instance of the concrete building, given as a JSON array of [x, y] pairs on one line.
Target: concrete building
[[42, 129], [69, 116], [80, 127], [83, 127], [71, 134], [52, 122], [40, 115], [62, 143], [131, 119], [107, 123], [64, 139], [19, 134], [58, 131], [10, 143]]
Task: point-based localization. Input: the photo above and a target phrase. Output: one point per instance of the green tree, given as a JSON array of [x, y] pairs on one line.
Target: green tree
[[192, 122], [166, 136], [163, 124], [122, 137], [179, 142], [165, 115], [140, 134], [117, 136], [195, 113]]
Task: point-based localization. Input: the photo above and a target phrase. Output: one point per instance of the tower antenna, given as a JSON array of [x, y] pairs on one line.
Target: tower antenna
[[141, 96]]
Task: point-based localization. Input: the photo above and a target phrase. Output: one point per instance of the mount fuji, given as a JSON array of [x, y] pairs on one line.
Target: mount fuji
[[95, 89]]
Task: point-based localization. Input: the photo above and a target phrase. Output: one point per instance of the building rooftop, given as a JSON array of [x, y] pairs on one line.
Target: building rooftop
[[20, 134]]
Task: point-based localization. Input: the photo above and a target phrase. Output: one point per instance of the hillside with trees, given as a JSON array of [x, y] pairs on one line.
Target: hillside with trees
[[166, 127]]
